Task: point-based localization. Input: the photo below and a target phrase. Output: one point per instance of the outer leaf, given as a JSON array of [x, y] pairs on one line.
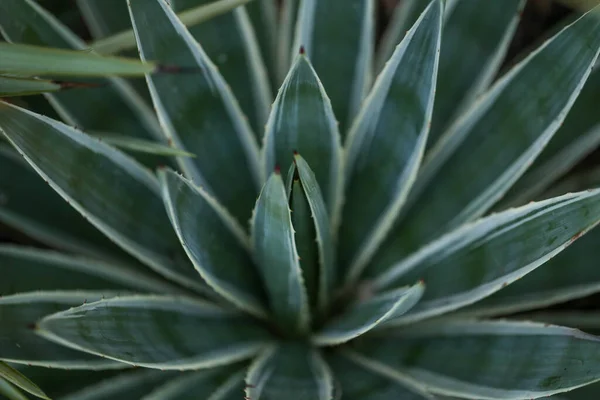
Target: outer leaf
[[26, 60], [179, 333], [20, 344], [141, 145], [219, 135], [220, 383], [570, 275], [578, 136], [126, 39], [476, 38], [587, 321], [28, 270], [18, 379], [116, 194], [465, 173], [24, 21], [302, 120], [230, 41], [363, 317], [325, 245], [357, 382], [216, 244], [291, 371], [390, 130], [479, 259], [339, 37], [487, 360], [127, 386], [29, 205], [10, 392], [263, 15], [277, 257]]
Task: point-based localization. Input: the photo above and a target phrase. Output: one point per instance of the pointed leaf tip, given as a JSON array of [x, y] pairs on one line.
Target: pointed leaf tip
[[302, 51]]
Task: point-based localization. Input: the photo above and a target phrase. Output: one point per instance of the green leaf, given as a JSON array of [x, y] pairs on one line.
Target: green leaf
[[29, 269], [125, 40], [291, 371], [481, 258], [20, 344], [210, 384], [24, 21], [141, 145], [570, 275], [486, 359], [367, 315], [18, 379], [338, 37], [117, 195], [105, 18], [25, 60], [465, 174], [403, 18], [179, 333], [358, 382], [10, 392], [218, 135], [476, 38], [587, 321], [277, 257], [12, 86], [232, 45], [326, 275], [29, 205], [216, 244], [289, 15], [578, 136], [302, 120], [391, 129], [126, 386], [263, 15]]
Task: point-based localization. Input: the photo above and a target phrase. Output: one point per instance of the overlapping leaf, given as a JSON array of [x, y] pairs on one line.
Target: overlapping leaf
[[391, 130], [13, 376], [200, 115], [179, 333], [117, 195], [488, 148], [213, 384]]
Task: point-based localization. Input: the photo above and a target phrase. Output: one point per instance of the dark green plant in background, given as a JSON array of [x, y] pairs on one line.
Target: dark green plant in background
[[347, 237]]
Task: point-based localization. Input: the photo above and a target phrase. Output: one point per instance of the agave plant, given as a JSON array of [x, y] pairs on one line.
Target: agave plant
[[348, 250]]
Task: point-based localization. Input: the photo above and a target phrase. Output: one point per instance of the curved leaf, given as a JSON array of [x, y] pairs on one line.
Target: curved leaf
[[302, 120], [141, 145], [480, 259], [465, 174], [569, 275], [338, 37], [29, 205], [326, 275], [231, 43], [476, 38], [210, 384], [291, 371], [289, 15], [19, 343], [390, 130], [264, 17], [125, 40], [216, 244], [179, 333], [10, 392], [277, 257], [25, 21], [19, 380], [126, 386], [365, 316], [487, 359], [12, 86], [27, 270], [117, 195], [226, 162]]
